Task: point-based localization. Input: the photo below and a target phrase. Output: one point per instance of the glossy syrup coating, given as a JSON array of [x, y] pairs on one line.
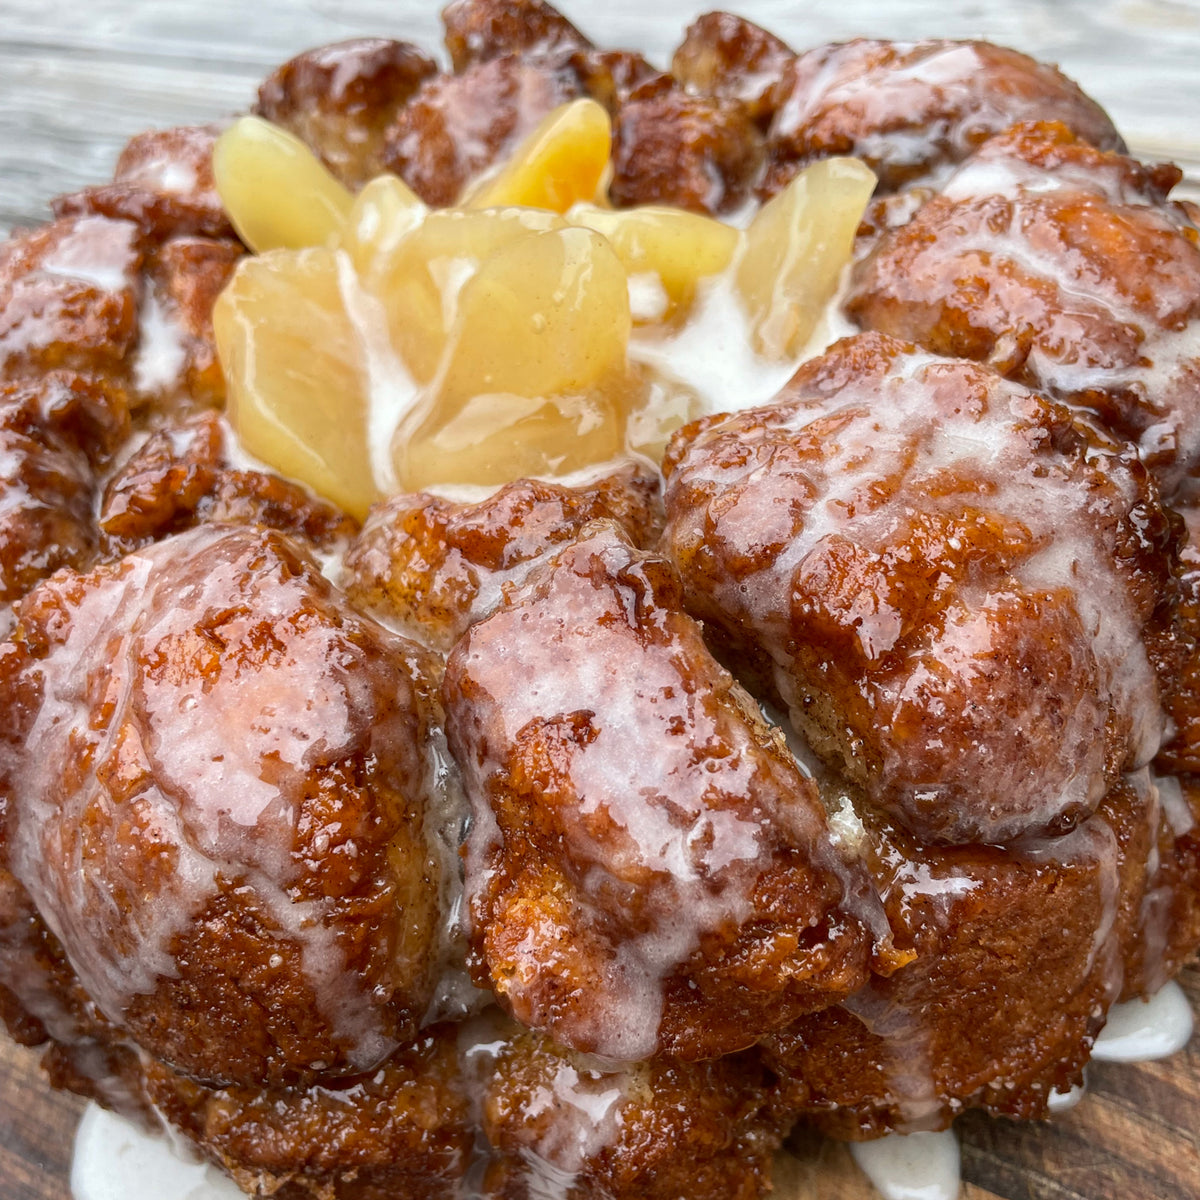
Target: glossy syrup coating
[[181, 477], [727, 56], [176, 368], [699, 153], [480, 30], [456, 126], [431, 567], [400, 1131], [910, 109], [1067, 269], [218, 807], [163, 182], [648, 870], [950, 589], [55, 432], [340, 100], [69, 297], [648, 1131], [1018, 953]]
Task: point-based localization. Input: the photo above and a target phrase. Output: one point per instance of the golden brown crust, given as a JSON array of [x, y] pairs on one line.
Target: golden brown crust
[[914, 601], [909, 108], [652, 1131], [1018, 952], [432, 567], [163, 183], [180, 478], [694, 152], [456, 126], [401, 1131], [187, 925], [685, 910], [729, 57], [1064, 267], [340, 100]]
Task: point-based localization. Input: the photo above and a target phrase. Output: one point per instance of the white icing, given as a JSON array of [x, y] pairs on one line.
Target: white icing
[[161, 353], [115, 1160], [913, 1166], [391, 390], [1141, 1030], [97, 251], [1061, 1102]]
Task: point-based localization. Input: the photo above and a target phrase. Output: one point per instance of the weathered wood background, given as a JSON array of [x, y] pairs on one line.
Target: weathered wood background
[[77, 80]]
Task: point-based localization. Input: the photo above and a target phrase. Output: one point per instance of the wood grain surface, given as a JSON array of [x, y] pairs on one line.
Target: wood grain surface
[[77, 81]]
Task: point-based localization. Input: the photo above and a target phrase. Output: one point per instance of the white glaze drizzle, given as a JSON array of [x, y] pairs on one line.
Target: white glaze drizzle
[[913, 1166], [1143, 1030], [115, 1160]]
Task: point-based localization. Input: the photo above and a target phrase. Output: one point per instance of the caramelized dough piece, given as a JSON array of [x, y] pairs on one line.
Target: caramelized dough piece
[[729, 57], [54, 432], [181, 477], [694, 152], [1018, 955], [456, 126], [478, 31], [1168, 932], [948, 586], [648, 870], [218, 807], [432, 567], [1182, 753], [340, 100], [45, 506], [163, 183], [1066, 268], [401, 1131], [176, 366], [650, 1131], [909, 108], [69, 295]]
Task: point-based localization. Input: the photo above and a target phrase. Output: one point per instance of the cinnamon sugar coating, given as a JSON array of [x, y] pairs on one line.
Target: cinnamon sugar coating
[[69, 295], [908, 109], [432, 567], [253, 897], [478, 31], [1067, 269], [685, 908], [948, 588], [401, 1131]]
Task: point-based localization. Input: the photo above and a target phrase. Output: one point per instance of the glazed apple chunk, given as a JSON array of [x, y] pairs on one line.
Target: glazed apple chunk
[[496, 340], [954, 589], [648, 869]]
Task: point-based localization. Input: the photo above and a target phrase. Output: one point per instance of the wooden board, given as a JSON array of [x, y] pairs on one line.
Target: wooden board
[[77, 80]]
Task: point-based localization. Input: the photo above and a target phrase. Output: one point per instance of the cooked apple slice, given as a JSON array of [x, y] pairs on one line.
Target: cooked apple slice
[[795, 250], [678, 247], [561, 162], [295, 372], [276, 192], [535, 375]]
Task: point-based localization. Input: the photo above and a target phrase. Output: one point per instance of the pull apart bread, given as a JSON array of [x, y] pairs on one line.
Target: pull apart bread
[[494, 701]]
